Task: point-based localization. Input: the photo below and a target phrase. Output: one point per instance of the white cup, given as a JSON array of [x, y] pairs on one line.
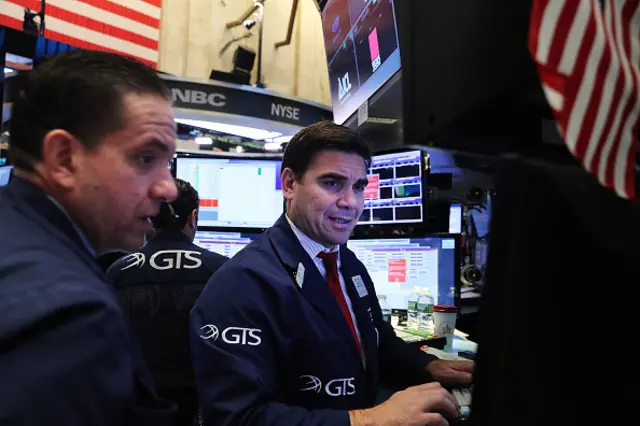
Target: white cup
[[444, 321]]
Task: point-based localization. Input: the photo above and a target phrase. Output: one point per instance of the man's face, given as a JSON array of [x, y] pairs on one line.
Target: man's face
[[327, 201], [120, 184]]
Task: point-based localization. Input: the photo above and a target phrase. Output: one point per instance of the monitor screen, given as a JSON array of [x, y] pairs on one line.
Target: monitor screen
[[5, 175], [398, 265], [234, 192], [363, 52], [455, 219], [224, 243], [395, 189]]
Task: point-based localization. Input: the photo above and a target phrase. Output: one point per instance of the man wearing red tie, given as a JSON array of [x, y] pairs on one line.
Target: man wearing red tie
[[290, 332]]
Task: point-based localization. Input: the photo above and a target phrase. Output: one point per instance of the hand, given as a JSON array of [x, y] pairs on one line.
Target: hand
[[451, 373], [413, 406]]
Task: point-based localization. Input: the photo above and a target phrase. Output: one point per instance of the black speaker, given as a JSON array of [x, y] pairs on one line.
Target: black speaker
[[243, 60]]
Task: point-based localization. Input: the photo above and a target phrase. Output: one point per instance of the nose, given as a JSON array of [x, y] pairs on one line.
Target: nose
[[165, 189], [348, 199]]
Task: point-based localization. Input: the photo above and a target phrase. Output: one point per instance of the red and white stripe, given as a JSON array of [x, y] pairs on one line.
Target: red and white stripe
[[588, 57], [129, 27]]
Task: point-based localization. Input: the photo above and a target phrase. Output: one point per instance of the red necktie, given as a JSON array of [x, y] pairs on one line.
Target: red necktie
[[330, 262]]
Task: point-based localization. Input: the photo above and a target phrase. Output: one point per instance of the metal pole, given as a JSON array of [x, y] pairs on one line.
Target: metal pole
[[43, 6], [259, 82]]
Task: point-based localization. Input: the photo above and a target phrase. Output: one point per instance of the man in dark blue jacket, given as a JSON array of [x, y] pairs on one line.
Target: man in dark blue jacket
[[290, 331], [158, 286], [91, 136]]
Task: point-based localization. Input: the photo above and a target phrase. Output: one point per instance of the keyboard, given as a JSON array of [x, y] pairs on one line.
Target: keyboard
[[463, 396]]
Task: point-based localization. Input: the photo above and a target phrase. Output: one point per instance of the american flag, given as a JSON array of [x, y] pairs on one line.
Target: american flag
[[128, 27], [588, 57]]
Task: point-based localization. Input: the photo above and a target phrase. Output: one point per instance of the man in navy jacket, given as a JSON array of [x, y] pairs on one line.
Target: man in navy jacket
[[158, 286], [91, 136], [290, 331]]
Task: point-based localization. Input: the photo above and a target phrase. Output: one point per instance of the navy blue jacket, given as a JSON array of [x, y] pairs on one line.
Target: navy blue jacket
[[272, 347], [66, 353]]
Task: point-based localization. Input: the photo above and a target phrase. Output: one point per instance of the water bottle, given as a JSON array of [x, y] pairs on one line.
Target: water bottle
[[425, 311], [384, 306], [412, 309]]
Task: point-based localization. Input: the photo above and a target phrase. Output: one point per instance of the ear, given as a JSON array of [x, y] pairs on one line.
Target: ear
[[193, 219], [60, 157], [287, 178]]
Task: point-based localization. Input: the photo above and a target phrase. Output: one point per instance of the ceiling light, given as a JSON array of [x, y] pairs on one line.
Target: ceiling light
[[243, 131], [272, 146], [282, 139], [200, 140], [8, 70]]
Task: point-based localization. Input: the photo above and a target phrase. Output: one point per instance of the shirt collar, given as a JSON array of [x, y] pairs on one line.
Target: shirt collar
[[309, 245], [83, 237]]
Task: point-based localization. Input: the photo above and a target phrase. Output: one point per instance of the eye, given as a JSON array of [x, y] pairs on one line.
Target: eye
[[359, 187], [146, 160], [331, 184]]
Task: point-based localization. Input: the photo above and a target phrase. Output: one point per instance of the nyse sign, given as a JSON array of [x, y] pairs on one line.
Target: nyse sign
[[285, 111]]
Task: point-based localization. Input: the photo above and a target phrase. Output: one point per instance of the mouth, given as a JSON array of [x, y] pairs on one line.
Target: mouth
[[341, 220]]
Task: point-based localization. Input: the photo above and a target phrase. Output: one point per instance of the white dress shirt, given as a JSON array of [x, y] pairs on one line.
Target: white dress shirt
[[313, 248]]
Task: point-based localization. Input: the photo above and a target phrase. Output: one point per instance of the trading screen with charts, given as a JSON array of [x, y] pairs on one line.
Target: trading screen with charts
[[394, 193], [234, 193], [224, 243], [398, 265]]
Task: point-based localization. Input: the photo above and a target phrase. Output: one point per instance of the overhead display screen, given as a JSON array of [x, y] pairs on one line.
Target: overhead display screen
[[362, 47]]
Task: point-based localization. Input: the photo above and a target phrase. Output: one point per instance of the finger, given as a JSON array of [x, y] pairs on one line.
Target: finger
[[428, 386], [467, 366], [457, 378], [434, 419], [442, 402]]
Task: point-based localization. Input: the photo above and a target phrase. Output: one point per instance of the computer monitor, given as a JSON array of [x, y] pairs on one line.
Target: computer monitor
[[363, 51], [395, 191], [235, 192], [455, 219], [224, 243], [558, 319], [397, 265]]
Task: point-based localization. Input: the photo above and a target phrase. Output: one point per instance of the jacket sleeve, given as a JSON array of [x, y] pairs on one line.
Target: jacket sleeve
[[64, 358], [238, 332]]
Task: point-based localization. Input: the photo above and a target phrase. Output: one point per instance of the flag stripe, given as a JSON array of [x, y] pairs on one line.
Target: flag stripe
[[78, 32], [83, 44], [130, 9], [574, 39], [552, 13], [134, 35], [156, 3], [626, 152], [599, 95], [129, 27], [588, 56], [605, 167]]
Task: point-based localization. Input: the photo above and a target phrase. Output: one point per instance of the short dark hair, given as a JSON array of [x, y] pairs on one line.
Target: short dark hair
[[187, 201], [80, 91], [320, 137]]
